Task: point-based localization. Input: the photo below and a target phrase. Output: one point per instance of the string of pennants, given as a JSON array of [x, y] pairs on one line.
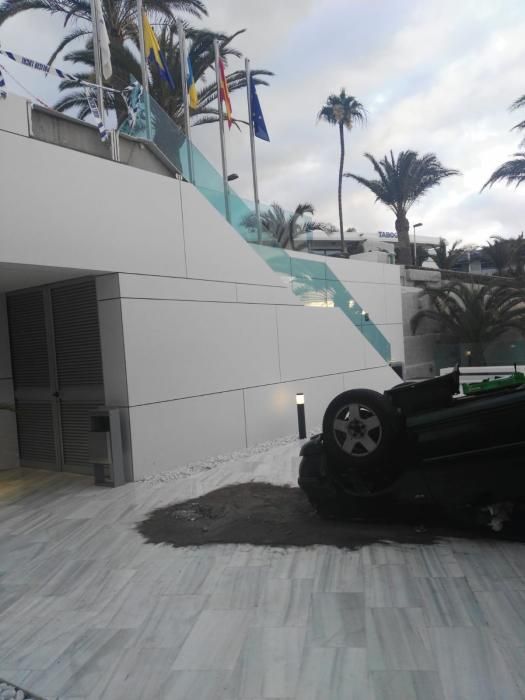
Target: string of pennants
[[3, 92], [89, 87], [93, 106]]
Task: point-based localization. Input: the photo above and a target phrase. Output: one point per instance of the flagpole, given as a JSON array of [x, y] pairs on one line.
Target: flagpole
[[145, 79], [221, 131], [252, 146], [98, 60], [185, 101]]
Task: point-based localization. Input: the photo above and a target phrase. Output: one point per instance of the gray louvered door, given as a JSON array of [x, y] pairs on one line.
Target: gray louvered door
[[30, 360], [57, 369], [78, 368]]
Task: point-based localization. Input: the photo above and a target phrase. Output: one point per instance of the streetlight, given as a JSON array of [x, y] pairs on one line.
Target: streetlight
[[415, 247], [232, 176]]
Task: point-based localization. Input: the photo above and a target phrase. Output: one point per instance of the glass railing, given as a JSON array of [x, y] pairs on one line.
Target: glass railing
[[496, 353], [311, 280]]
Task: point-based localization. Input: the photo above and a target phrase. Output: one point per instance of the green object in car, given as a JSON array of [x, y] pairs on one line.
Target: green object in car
[[497, 384]]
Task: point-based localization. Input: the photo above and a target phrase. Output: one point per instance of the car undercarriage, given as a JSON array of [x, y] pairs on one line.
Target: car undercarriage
[[421, 444]]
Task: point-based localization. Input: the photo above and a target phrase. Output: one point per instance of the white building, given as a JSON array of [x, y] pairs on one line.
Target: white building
[[121, 285], [377, 245]]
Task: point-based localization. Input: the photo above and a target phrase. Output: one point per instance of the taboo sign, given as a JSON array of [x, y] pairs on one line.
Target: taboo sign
[[391, 235]]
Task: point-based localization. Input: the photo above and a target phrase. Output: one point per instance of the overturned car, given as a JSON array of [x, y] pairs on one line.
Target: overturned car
[[421, 443]]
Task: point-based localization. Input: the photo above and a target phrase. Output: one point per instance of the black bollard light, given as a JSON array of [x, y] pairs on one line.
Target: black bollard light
[[299, 400]]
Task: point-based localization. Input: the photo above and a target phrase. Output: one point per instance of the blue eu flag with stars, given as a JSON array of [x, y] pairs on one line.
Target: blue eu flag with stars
[[259, 127]]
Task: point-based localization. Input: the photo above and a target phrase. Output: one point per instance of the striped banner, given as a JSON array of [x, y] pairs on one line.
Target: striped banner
[[44, 68], [93, 106], [49, 70], [38, 66]]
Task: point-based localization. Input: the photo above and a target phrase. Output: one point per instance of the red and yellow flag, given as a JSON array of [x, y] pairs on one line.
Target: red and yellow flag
[[225, 93]]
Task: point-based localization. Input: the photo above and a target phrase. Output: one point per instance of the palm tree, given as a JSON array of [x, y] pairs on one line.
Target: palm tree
[[282, 227], [202, 58], [402, 181], [512, 172], [344, 111], [499, 252], [422, 255], [506, 254], [518, 104], [121, 21], [447, 258], [120, 17], [473, 316]]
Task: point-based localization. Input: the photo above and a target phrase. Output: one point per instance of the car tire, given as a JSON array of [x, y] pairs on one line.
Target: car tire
[[360, 433]]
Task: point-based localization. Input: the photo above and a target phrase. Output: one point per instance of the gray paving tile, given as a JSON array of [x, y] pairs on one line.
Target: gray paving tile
[[397, 640], [471, 666], [334, 674], [337, 620], [406, 685]]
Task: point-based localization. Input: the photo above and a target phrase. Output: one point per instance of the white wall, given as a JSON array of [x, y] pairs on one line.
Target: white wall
[[63, 208], [208, 372], [8, 437], [114, 359], [203, 345]]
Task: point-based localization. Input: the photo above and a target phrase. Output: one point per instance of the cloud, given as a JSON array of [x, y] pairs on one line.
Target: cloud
[[436, 76], [35, 35], [439, 81]]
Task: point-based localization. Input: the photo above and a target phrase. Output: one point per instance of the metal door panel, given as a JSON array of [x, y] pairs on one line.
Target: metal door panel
[[32, 379], [36, 434], [75, 422], [57, 370]]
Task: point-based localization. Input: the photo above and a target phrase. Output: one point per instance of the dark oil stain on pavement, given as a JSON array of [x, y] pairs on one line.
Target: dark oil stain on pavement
[[266, 514]]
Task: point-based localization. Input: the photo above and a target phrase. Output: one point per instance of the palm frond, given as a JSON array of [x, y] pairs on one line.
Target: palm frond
[[68, 39], [10, 8], [403, 179], [447, 258], [512, 172], [474, 315], [342, 109], [518, 104], [284, 227]]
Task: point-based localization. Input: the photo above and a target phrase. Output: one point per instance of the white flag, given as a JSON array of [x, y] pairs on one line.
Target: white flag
[[103, 39]]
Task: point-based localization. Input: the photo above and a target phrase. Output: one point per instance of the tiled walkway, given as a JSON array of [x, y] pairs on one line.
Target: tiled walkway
[[87, 610]]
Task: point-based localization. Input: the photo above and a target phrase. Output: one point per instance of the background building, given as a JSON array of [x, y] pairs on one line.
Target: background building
[[372, 243]]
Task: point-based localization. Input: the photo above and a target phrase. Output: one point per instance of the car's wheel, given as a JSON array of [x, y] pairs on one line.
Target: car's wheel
[[360, 431]]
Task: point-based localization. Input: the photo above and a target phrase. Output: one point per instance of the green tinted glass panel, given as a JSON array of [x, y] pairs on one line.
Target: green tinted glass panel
[[308, 269], [496, 353], [312, 292], [311, 280], [277, 258]]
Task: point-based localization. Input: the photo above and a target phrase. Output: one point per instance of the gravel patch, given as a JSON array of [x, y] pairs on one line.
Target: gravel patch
[[13, 692], [212, 462], [270, 515]]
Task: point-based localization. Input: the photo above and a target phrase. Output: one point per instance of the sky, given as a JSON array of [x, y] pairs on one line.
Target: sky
[[435, 76]]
